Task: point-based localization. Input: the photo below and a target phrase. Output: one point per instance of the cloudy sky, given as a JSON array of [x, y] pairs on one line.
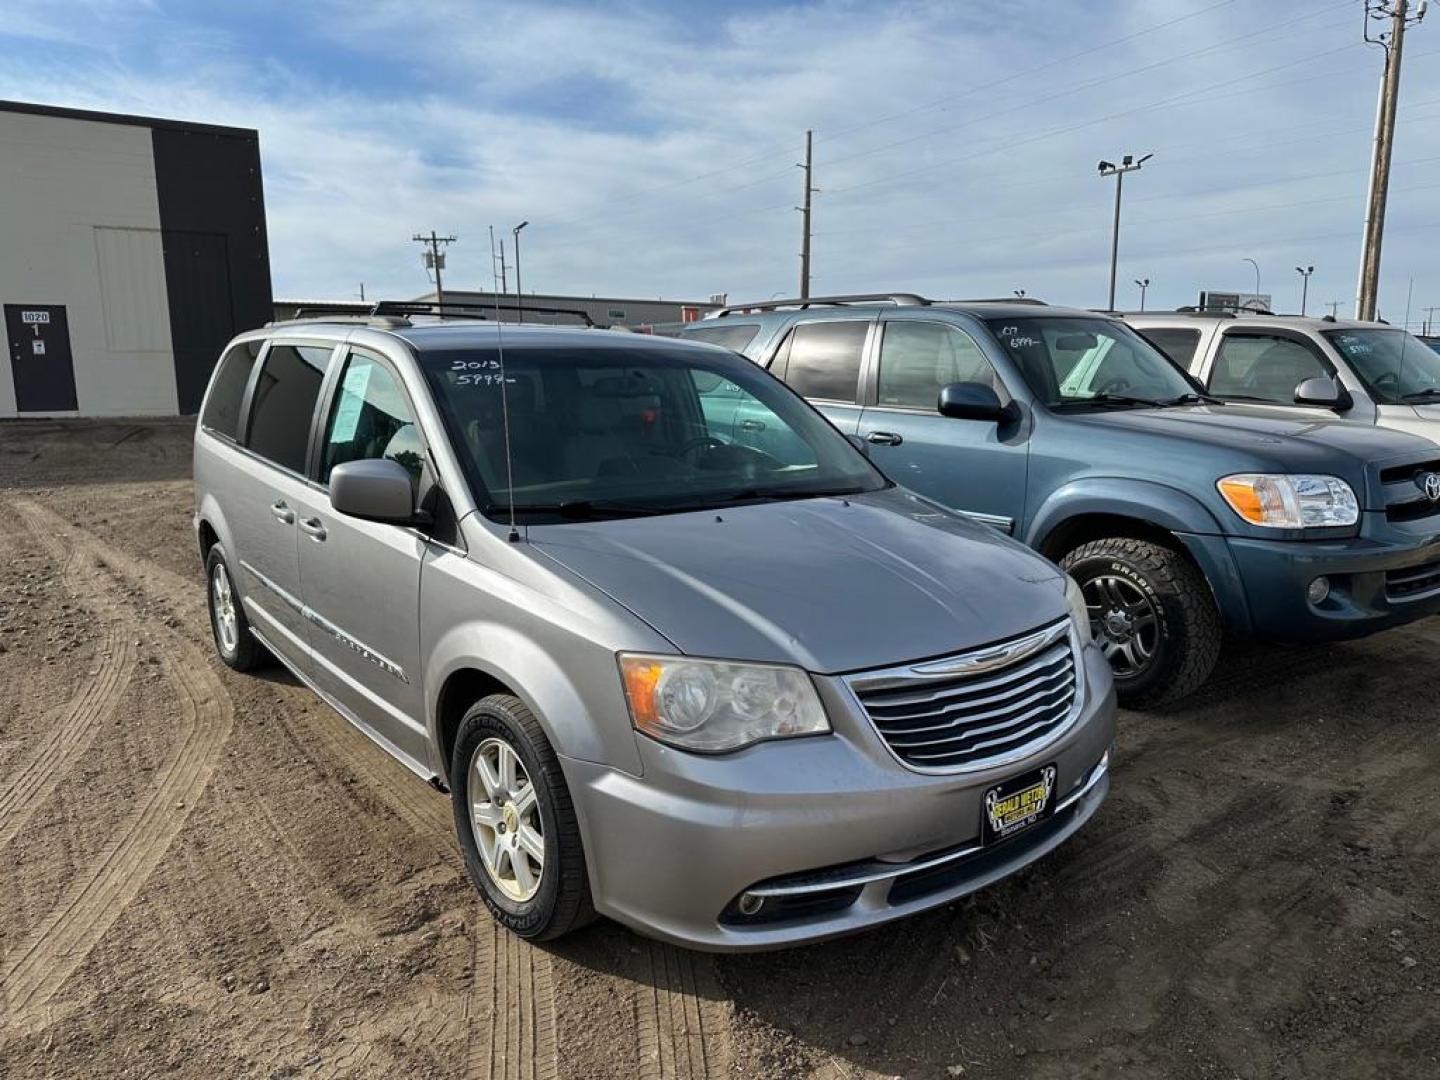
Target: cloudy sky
[[652, 146]]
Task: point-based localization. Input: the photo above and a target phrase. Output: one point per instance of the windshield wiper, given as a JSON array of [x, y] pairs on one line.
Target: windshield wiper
[[1122, 400], [1193, 397], [783, 494], [1421, 395], [581, 509]]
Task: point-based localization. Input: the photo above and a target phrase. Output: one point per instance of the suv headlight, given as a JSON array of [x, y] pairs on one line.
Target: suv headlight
[[1079, 610], [1278, 501], [716, 705]]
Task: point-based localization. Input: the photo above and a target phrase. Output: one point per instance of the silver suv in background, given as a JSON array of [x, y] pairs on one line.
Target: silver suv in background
[[734, 698], [1364, 371]]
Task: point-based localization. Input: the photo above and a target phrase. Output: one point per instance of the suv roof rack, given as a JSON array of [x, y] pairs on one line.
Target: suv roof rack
[[899, 299], [471, 309], [1034, 300], [317, 314]]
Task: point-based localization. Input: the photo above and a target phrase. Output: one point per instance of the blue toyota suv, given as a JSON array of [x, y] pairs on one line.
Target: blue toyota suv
[[1181, 517]]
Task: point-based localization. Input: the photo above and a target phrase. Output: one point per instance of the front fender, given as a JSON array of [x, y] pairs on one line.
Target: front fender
[[1177, 512]]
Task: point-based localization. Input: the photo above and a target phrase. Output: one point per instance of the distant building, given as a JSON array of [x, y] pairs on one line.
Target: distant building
[[131, 250]]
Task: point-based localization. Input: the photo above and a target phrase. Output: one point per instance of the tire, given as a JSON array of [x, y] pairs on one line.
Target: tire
[[1127, 582], [237, 647], [556, 901]]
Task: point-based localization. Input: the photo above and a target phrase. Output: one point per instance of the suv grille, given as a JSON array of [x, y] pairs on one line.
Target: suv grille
[[975, 708], [1412, 582], [1405, 499]]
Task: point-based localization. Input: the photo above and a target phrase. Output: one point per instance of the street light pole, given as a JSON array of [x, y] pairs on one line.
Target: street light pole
[[1127, 164], [1304, 272], [1256, 265], [519, 296], [1144, 284]]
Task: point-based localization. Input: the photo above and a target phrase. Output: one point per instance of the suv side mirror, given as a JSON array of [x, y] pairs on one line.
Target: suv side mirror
[[374, 489], [973, 401], [1326, 392]]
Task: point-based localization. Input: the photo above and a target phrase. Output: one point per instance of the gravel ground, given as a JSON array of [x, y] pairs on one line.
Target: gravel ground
[[207, 875]]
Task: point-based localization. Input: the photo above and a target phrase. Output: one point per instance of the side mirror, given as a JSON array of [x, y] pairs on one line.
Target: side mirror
[[375, 489], [1326, 392], [973, 401]]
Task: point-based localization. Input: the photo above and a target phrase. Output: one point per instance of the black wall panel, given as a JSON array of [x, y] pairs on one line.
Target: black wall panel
[[217, 261]]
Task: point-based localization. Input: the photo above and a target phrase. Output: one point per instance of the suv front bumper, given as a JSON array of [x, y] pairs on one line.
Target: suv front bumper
[[831, 831], [1374, 582]]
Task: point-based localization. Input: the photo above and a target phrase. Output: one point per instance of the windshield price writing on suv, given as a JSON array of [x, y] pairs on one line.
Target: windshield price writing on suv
[[1396, 367], [1096, 362], [593, 434]]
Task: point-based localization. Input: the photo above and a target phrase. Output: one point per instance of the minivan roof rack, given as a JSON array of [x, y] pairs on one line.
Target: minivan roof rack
[[899, 299], [997, 300], [330, 315], [471, 309]]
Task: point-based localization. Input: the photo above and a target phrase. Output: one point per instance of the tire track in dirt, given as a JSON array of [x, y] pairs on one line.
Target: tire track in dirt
[[682, 1024], [510, 1014]]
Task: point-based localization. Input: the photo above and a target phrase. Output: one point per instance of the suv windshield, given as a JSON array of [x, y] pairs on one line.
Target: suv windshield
[[1395, 367], [618, 432], [1100, 362]]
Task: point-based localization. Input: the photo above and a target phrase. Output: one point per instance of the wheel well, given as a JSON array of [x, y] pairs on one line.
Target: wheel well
[[462, 689], [208, 539], [1070, 534]]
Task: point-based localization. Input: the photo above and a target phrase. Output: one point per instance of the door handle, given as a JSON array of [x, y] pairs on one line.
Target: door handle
[[752, 425], [313, 528], [884, 438], [282, 513]]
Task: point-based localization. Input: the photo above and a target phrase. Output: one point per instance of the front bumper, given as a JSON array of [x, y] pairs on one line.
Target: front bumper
[[1374, 584], [832, 831]]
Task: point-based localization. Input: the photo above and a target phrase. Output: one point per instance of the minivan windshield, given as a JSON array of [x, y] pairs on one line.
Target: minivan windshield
[[1099, 363], [619, 432], [1395, 366]]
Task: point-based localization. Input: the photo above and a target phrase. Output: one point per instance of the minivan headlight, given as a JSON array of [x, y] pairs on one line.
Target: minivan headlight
[[717, 705], [1278, 501], [1079, 611]]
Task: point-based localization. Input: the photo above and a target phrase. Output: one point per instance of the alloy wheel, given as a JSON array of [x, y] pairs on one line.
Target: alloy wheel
[[227, 623], [1125, 622], [505, 819]]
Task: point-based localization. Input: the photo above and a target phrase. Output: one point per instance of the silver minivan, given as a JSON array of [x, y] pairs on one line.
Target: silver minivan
[[733, 698]]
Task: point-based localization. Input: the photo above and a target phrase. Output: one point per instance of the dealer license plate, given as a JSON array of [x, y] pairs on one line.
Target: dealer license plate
[[1017, 804]]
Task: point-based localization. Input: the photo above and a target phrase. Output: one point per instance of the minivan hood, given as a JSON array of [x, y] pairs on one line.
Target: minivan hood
[[830, 584]]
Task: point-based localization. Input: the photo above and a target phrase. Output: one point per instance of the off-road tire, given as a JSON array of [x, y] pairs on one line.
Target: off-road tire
[[562, 902], [248, 654], [1191, 630]]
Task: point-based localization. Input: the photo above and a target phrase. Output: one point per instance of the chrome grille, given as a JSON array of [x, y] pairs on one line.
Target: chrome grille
[[976, 708]]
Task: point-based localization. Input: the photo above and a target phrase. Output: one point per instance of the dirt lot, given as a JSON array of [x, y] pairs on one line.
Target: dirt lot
[[211, 875]]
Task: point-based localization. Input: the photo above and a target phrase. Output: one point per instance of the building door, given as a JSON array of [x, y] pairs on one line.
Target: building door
[[40, 360], [202, 312]]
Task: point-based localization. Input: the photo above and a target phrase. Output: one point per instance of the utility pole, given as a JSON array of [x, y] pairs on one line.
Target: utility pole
[[805, 220], [1393, 42], [362, 292], [519, 296], [1334, 306], [1429, 318], [498, 282], [1127, 164], [435, 260], [1304, 272], [1144, 284]]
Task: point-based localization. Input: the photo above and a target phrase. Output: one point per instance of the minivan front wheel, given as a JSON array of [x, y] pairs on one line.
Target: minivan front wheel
[[1152, 614], [516, 821]]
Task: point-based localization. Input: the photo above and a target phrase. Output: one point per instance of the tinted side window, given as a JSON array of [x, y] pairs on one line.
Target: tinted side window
[[918, 358], [1263, 368], [222, 408], [285, 397], [824, 360], [730, 336], [371, 420], [1178, 345]]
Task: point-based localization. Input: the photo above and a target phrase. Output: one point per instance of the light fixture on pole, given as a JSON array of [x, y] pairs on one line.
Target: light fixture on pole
[[519, 296], [1144, 284], [1129, 163], [1304, 272]]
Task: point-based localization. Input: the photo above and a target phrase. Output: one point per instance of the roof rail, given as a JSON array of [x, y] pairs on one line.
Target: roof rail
[[307, 315], [898, 299], [471, 309], [998, 300]]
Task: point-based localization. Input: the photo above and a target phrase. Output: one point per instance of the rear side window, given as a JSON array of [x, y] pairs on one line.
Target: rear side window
[[1262, 367], [371, 420], [918, 358], [222, 407], [729, 336], [824, 359], [1178, 345], [285, 397]]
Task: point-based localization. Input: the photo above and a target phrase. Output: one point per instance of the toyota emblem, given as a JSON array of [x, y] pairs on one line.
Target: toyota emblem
[[1430, 484]]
